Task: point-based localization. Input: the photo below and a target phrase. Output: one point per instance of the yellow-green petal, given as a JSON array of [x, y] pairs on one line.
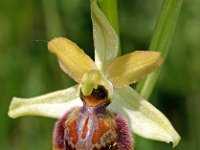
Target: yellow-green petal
[[106, 41], [53, 105], [130, 68], [72, 59], [144, 119]]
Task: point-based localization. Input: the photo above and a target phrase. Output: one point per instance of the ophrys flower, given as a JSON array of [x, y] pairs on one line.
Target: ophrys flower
[[109, 76]]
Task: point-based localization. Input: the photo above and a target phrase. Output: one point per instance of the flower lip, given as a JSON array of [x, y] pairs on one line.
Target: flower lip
[[97, 97]]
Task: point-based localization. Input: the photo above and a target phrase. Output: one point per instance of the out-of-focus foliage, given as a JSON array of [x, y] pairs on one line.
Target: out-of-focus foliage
[[27, 68]]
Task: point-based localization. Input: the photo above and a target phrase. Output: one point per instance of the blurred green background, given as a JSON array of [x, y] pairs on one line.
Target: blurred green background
[[27, 68]]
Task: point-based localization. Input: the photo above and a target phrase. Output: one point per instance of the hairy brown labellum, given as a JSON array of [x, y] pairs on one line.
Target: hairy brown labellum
[[92, 127]]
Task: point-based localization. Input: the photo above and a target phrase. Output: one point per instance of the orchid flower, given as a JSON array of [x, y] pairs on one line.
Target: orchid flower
[[114, 73]]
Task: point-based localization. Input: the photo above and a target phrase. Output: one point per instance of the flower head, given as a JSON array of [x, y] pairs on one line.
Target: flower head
[[113, 73]]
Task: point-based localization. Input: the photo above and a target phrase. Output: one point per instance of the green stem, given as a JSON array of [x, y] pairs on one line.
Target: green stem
[[109, 8], [161, 41], [53, 23]]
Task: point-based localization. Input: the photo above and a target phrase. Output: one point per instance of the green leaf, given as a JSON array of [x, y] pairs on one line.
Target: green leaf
[[53, 105], [161, 40], [106, 41], [130, 68], [144, 119]]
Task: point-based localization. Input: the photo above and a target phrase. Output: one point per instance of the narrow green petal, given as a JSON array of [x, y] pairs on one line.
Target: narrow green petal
[[144, 119], [130, 68], [105, 38], [72, 59], [52, 105]]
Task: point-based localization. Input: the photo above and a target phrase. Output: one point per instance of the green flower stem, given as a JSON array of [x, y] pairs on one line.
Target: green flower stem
[[161, 41], [53, 22], [109, 8]]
